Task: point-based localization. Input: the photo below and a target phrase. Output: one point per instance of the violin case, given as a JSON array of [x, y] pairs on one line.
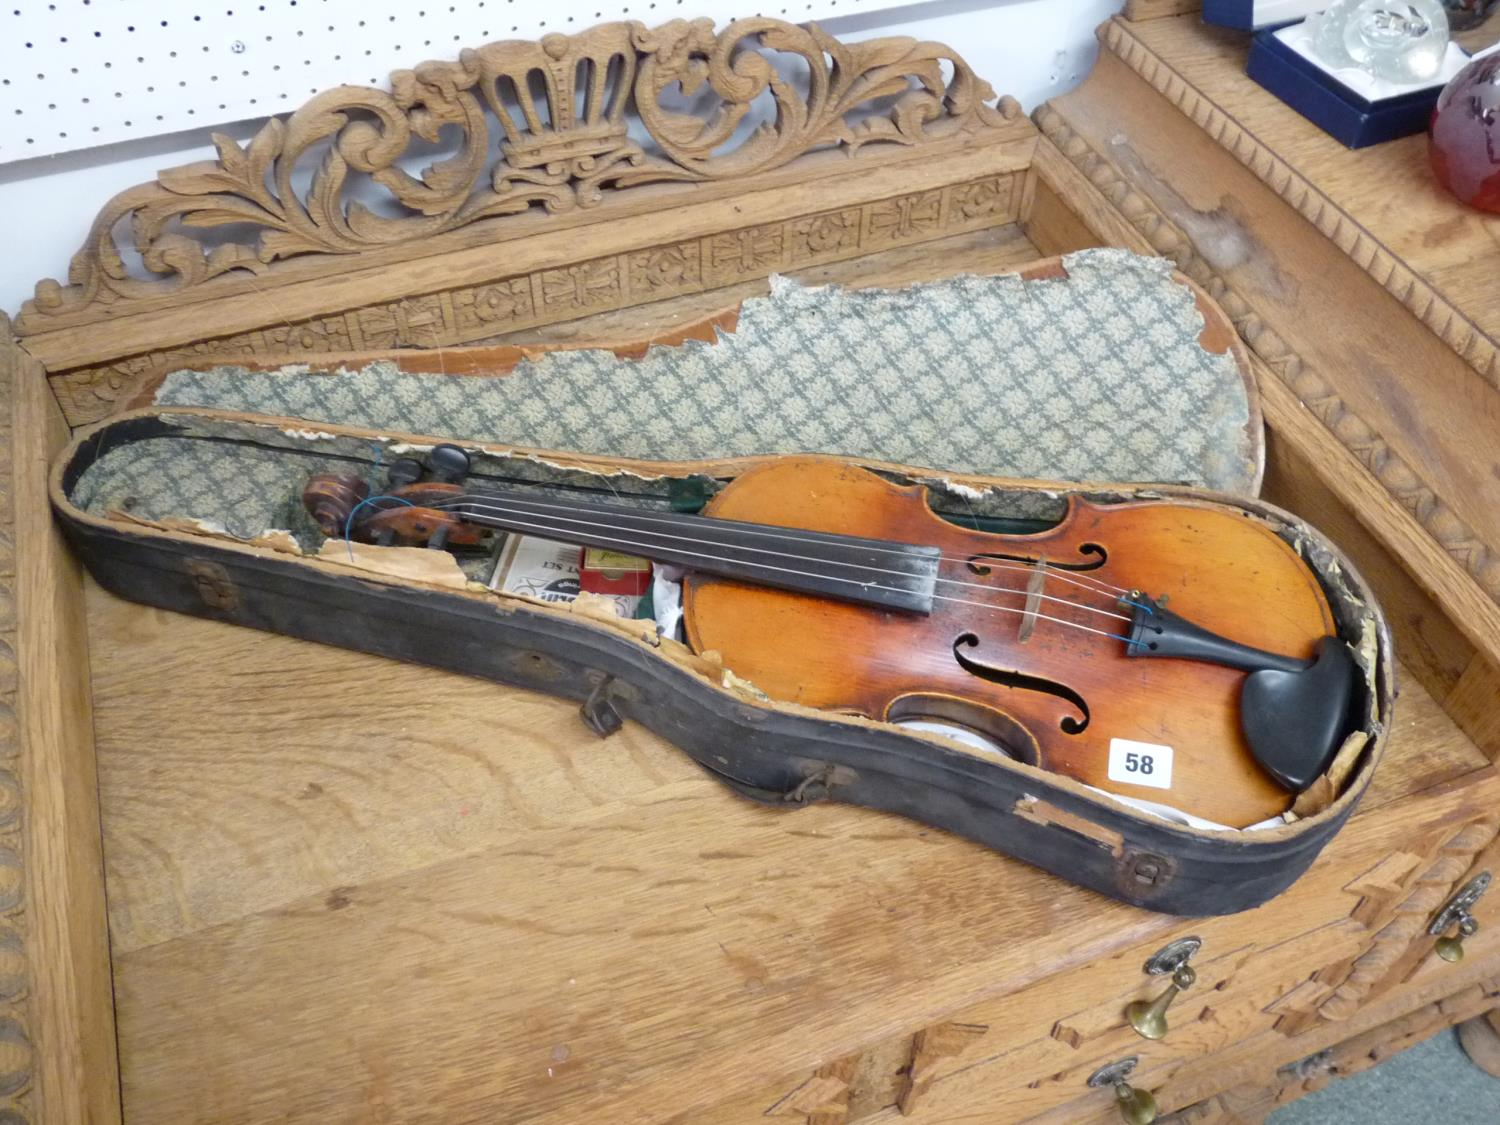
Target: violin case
[[1098, 367]]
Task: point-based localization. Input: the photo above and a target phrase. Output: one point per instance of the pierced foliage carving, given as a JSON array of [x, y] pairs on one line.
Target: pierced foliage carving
[[545, 123]]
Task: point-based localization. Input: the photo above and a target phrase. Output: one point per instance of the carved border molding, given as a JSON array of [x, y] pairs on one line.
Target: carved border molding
[[565, 292], [1448, 323], [1358, 436], [836, 1095], [552, 123], [17, 1061]]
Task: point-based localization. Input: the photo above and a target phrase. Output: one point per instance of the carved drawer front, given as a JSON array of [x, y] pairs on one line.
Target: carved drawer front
[[1402, 907], [1193, 1020], [1356, 925], [1254, 1096], [1029, 1050]]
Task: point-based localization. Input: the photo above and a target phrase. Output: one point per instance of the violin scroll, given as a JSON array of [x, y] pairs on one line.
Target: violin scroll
[[411, 511], [330, 498]]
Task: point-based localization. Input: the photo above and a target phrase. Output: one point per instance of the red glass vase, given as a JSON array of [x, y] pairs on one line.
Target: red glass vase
[[1464, 138]]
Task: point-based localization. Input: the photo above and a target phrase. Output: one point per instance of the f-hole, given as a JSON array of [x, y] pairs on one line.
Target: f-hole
[[1091, 557], [1022, 681]]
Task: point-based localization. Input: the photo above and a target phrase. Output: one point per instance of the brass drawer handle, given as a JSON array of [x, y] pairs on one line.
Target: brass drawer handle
[[1137, 1107], [1457, 911], [1149, 1017]]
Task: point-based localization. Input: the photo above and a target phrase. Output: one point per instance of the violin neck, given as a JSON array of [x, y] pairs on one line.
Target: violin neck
[[873, 572]]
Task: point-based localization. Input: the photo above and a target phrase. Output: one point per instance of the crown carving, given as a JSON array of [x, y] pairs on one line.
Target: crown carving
[[551, 123]]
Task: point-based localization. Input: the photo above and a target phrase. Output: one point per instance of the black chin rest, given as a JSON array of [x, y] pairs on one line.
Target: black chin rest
[[1294, 721]]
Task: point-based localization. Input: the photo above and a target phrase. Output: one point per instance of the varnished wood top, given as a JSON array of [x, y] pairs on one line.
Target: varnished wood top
[[330, 902]]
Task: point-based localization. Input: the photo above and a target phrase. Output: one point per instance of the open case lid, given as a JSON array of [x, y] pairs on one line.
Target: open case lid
[[1101, 366]]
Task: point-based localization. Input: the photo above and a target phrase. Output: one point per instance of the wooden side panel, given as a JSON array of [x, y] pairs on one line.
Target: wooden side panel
[[1474, 703], [1432, 648], [57, 1034], [1422, 251], [578, 210], [481, 294]]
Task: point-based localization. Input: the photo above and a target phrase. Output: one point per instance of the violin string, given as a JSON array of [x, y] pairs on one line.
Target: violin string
[[475, 506], [1084, 581], [988, 606]]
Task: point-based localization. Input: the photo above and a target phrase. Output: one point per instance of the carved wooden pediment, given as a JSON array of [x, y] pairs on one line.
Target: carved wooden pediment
[[547, 124]]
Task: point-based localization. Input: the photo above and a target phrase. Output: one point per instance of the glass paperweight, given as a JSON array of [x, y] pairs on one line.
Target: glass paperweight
[[1401, 41], [1465, 137]]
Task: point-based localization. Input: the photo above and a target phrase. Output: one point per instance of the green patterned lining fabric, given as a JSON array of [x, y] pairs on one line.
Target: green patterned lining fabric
[[239, 489], [1095, 377]]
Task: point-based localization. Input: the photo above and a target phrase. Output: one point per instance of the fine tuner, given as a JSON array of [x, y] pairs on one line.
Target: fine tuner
[[827, 585]]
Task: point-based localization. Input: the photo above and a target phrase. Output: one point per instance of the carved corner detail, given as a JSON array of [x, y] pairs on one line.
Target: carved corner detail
[[928, 1050], [1402, 909], [1439, 520], [558, 111], [1253, 1100]]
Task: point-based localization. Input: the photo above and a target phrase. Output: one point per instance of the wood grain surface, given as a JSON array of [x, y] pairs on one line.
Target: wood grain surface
[[344, 888], [1156, 9], [343, 884], [57, 1030]]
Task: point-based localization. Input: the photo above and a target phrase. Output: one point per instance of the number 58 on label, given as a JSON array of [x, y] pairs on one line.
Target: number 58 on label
[[1140, 763]]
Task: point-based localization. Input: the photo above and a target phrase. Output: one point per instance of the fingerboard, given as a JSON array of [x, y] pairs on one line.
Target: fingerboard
[[873, 572]]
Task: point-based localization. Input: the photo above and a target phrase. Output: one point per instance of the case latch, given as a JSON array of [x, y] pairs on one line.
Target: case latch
[[214, 585], [598, 710]]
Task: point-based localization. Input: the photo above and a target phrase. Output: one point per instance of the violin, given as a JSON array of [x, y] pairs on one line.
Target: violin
[[1170, 650]]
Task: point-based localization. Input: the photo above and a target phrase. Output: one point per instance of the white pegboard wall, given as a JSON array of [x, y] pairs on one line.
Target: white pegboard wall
[[75, 74]]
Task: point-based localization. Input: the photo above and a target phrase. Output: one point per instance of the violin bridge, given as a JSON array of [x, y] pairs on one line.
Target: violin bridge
[[1034, 586]]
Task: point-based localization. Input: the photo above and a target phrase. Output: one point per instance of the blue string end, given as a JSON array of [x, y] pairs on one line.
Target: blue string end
[[349, 521]]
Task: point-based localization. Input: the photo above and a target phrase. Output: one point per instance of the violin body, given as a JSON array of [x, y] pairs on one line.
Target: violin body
[[1226, 572]]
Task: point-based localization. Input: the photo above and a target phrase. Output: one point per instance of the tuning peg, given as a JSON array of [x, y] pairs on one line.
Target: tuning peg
[[405, 471], [448, 463]]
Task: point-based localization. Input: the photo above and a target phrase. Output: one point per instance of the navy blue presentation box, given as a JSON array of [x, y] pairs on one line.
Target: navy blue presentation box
[[1251, 15], [1352, 119]]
